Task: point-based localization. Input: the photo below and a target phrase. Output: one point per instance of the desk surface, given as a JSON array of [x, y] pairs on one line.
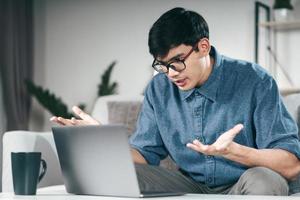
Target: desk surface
[[59, 193]]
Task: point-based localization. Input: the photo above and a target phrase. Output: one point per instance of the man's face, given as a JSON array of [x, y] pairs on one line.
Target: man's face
[[196, 71]]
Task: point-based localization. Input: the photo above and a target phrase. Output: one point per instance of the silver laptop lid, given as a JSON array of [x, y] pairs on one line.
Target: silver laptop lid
[[96, 160]]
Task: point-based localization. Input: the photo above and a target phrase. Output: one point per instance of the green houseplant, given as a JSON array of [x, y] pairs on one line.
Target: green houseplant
[[105, 87], [56, 106], [48, 100]]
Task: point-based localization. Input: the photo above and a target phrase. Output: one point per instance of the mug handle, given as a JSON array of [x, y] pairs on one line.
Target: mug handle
[[44, 169]]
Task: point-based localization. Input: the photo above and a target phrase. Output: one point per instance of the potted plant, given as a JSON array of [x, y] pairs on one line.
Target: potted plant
[[57, 107]]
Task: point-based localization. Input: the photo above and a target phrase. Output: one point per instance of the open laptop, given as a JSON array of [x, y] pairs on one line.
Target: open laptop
[[96, 160]]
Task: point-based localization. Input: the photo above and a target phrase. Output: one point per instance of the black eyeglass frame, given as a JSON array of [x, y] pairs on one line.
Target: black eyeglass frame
[[169, 65]]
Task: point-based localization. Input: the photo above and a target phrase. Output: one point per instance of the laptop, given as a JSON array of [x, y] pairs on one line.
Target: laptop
[[96, 160]]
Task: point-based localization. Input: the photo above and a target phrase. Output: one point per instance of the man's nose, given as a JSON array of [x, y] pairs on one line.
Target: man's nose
[[172, 73]]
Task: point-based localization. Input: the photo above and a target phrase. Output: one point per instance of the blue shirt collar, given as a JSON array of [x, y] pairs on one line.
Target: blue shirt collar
[[210, 87]]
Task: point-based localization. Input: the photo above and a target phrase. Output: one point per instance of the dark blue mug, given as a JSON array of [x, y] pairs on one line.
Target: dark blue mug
[[26, 171]]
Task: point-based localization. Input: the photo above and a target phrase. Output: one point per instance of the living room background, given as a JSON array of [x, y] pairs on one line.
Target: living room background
[[76, 40]]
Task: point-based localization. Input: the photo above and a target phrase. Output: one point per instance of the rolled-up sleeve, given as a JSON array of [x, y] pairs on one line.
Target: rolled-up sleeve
[[275, 128], [147, 139]]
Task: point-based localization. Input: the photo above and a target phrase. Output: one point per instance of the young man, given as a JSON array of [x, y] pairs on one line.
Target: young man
[[221, 120]]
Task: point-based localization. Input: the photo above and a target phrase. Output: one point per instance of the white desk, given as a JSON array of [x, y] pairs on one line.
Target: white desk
[[59, 193]]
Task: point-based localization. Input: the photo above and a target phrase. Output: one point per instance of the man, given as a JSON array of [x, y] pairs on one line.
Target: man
[[221, 120]]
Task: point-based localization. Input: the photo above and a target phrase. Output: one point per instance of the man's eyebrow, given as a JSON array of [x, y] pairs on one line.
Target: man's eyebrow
[[173, 58]]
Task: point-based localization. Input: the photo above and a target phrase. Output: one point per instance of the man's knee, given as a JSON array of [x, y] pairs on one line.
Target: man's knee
[[262, 181]]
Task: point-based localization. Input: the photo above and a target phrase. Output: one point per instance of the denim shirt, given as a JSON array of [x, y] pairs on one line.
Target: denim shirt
[[235, 92]]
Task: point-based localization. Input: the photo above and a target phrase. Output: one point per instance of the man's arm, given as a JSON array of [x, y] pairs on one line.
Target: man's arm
[[137, 157], [85, 119], [281, 161]]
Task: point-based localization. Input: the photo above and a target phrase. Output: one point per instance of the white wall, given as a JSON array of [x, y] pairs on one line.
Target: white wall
[[76, 40], [288, 43]]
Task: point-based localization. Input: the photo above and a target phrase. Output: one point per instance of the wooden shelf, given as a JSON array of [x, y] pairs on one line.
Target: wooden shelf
[[281, 25], [287, 91]]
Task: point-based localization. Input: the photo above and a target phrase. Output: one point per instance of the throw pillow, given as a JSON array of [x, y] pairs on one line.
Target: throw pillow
[[124, 112]]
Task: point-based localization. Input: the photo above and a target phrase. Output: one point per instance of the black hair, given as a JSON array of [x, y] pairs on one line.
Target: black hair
[[175, 27]]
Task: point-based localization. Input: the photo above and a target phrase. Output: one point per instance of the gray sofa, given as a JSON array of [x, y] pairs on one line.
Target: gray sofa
[[292, 103]]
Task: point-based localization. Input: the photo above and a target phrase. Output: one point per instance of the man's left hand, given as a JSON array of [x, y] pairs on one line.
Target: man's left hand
[[221, 146]]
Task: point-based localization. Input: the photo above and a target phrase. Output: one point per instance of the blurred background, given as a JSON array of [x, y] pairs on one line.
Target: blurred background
[[65, 46]]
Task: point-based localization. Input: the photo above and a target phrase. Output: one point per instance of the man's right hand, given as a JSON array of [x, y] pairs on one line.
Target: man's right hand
[[85, 119]]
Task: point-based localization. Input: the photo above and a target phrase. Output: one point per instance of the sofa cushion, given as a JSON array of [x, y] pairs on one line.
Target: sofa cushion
[[124, 112], [100, 110], [292, 103]]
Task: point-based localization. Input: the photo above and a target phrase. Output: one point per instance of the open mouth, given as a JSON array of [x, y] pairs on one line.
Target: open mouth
[[181, 82]]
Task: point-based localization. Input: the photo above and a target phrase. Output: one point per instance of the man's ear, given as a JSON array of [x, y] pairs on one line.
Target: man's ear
[[204, 46]]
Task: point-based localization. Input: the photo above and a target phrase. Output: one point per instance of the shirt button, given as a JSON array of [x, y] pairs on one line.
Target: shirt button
[[209, 157], [209, 180]]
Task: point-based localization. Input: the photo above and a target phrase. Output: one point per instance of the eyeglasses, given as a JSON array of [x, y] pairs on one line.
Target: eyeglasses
[[176, 64]]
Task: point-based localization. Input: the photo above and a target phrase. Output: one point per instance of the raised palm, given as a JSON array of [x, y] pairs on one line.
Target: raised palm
[[85, 119], [220, 146]]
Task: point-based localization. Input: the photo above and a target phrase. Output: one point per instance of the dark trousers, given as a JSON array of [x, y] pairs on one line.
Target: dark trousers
[[254, 181]]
